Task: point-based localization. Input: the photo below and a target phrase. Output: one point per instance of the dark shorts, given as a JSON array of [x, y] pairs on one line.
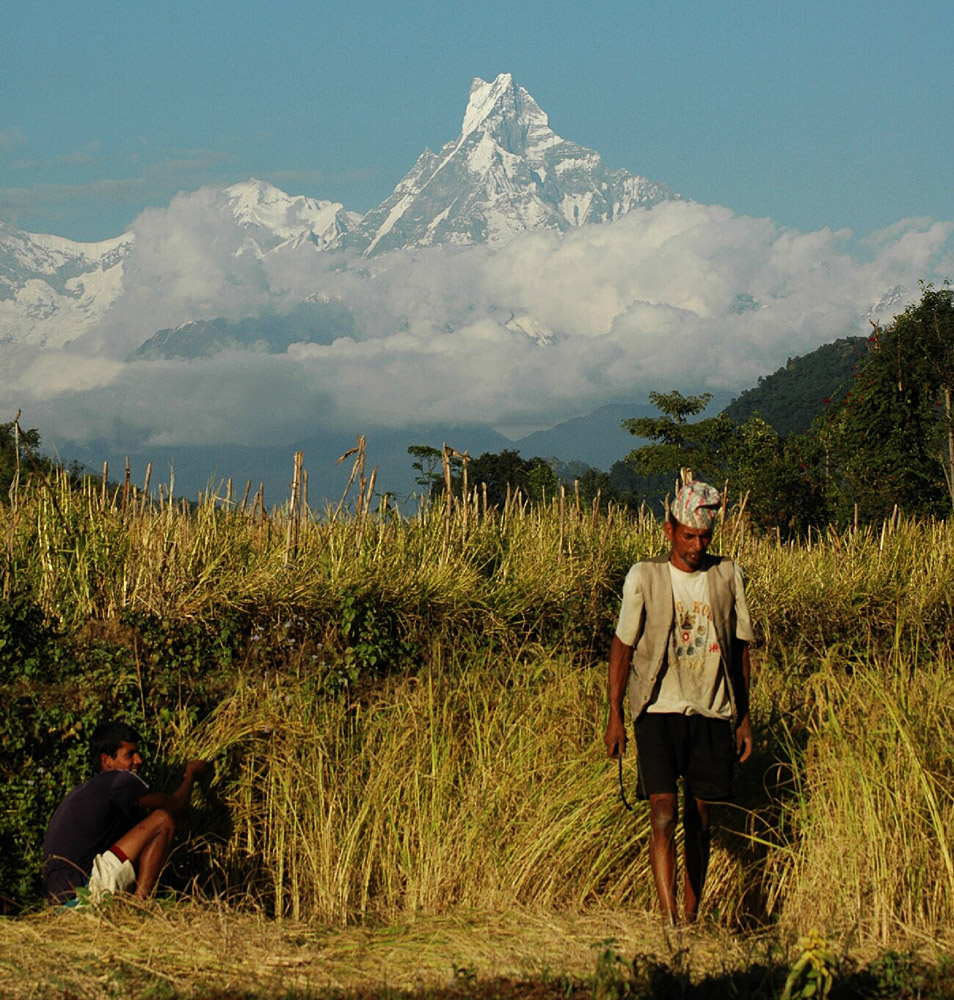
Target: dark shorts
[[694, 747]]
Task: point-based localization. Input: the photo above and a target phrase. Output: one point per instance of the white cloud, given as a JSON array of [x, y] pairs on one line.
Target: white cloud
[[56, 373], [185, 265], [684, 296]]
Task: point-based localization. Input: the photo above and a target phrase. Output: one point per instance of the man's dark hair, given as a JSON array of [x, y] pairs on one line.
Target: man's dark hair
[[106, 739]]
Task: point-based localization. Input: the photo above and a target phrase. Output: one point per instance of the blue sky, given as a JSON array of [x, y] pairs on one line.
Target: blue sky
[[835, 114]]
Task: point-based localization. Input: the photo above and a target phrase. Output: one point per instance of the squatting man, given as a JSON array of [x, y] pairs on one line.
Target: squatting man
[[112, 833], [681, 655]]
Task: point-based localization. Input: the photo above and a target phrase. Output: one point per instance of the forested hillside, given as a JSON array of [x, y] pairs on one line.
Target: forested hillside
[[789, 398]]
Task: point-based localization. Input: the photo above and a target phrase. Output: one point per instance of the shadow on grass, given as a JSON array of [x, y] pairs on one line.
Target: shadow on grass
[[758, 822], [892, 975]]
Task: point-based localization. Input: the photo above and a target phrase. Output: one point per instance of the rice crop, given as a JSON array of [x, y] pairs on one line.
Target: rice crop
[[410, 719]]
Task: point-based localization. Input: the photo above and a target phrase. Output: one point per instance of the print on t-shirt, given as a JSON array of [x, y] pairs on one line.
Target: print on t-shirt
[[693, 635], [692, 680]]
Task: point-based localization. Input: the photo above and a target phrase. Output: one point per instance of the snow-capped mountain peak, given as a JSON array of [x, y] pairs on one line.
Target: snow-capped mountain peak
[[259, 205], [505, 173], [483, 99], [94, 252], [890, 303], [53, 289], [497, 106]]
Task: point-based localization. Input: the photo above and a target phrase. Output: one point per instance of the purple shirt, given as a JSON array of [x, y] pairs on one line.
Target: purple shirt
[[87, 822]]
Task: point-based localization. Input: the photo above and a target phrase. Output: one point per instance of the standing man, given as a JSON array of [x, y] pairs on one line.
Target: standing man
[[681, 653], [112, 833]]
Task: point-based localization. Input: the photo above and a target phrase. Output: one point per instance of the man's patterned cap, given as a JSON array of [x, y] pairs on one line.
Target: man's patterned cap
[[696, 505]]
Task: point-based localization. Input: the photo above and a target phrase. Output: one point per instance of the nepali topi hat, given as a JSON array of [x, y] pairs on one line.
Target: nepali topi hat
[[696, 505]]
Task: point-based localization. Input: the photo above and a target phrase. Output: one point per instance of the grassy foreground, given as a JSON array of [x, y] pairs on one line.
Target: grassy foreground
[[192, 951], [406, 716]]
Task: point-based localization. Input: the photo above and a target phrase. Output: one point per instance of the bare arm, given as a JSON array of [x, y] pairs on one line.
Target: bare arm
[[179, 799], [619, 661]]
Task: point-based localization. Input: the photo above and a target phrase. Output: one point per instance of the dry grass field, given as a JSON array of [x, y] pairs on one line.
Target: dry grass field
[[201, 951], [411, 789]]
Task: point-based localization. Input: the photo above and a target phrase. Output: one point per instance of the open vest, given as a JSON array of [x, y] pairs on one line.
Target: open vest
[[658, 618]]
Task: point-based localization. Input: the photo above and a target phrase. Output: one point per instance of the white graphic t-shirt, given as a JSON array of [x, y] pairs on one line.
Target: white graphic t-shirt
[[693, 680]]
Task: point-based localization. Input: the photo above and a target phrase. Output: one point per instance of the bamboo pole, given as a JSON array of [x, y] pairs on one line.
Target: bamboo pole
[[448, 498], [358, 465], [294, 512], [363, 514], [465, 458]]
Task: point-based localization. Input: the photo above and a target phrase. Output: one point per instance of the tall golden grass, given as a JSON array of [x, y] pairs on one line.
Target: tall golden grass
[[479, 779], [477, 784], [872, 804]]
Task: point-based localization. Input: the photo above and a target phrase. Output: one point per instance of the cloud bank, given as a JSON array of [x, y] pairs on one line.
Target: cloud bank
[[680, 296]]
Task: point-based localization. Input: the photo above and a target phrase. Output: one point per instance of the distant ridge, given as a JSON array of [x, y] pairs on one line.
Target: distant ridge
[[786, 399]]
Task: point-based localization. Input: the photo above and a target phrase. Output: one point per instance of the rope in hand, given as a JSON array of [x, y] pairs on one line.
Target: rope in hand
[[622, 790]]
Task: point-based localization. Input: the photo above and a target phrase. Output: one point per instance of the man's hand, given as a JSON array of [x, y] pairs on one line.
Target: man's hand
[[179, 799], [615, 738], [744, 741], [199, 769]]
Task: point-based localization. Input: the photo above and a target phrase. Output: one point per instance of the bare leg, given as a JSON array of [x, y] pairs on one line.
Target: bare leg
[[147, 846], [695, 825], [663, 813]]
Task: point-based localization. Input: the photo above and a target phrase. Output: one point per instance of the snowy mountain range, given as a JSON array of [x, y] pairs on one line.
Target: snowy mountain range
[[52, 290], [506, 173], [512, 290]]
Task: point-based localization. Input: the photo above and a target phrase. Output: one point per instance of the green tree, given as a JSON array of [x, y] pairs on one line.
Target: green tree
[[594, 484], [781, 480], [542, 481], [677, 443], [625, 482], [505, 471], [936, 313], [429, 467], [888, 440], [500, 470], [19, 449]]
